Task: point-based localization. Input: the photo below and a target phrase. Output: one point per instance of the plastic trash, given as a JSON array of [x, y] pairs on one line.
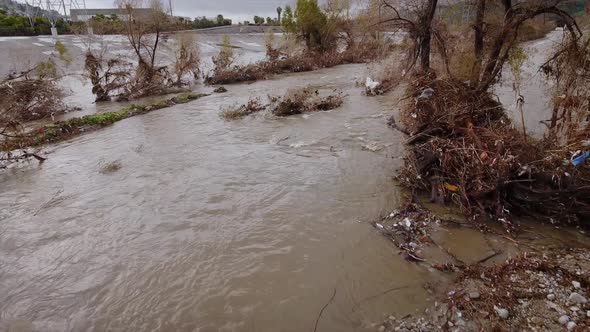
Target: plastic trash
[[426, 94], [407, 222], [371, 85], [451, 187], [579, 158]]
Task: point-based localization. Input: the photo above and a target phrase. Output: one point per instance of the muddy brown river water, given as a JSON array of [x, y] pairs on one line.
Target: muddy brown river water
[[209, 225]]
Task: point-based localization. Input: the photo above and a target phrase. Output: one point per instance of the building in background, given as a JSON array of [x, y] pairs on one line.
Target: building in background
[[83, 15]]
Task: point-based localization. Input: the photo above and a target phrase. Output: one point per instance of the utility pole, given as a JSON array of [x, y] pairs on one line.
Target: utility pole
[[170, 6]]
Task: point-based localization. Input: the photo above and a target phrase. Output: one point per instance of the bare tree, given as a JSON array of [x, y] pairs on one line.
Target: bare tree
[[116, 77], [416, 19], [144, 31], [187, 59], [515, 15]]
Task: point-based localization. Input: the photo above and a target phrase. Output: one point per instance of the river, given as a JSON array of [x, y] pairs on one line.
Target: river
[[249, 225]]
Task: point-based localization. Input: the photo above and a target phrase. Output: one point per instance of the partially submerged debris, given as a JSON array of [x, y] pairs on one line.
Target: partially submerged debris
[[297, 63], [238, 112], [220, 89], [295, 101], [464, 149], [409, 229], [305, 100], [109, 167]]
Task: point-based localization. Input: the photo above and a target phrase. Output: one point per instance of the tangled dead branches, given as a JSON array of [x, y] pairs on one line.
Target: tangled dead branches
[[109, 77], [226, 73], [569, 69], [30, 95], [298, 101], [251, 107], [295, 101], [464, 149]]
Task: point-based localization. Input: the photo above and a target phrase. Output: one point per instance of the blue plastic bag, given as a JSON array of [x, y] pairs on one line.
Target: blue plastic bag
[[579, 159]]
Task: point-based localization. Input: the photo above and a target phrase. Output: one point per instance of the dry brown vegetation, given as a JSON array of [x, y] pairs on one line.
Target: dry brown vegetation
[[32, 94], [295, 101], [298, 101], [238, 112], [120, 79], [465, 150], [297, 63]]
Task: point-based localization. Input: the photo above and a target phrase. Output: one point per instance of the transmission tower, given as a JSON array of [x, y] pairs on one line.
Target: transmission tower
[[53, 9]]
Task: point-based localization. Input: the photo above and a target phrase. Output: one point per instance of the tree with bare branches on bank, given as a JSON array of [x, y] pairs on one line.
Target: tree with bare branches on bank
[[124, 80], [463, 147]]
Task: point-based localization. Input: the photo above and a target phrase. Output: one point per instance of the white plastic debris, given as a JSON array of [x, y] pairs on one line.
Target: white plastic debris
[[371, 85], [523, 170], [426, 94], [379, 226], [407, 222]]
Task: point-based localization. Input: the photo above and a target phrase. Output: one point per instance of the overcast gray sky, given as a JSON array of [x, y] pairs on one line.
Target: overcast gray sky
[[234, 9]]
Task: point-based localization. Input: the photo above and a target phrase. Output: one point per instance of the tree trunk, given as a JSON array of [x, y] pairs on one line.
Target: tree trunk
[[478, 41], [507, 5], [155, 48], [426, 34]]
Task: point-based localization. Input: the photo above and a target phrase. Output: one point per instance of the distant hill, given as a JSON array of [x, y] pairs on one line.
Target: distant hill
[[16, 8]]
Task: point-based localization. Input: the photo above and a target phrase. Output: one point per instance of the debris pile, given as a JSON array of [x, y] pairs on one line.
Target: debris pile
[[298, 101], [408, 229], [238, 112], [464, 149], [297, 63], [295, 101]]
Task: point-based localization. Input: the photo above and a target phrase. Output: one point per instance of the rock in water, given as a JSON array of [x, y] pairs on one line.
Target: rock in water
[[571, 325]]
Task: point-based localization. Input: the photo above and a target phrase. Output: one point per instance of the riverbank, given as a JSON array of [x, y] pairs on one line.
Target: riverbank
[[538, 291]]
